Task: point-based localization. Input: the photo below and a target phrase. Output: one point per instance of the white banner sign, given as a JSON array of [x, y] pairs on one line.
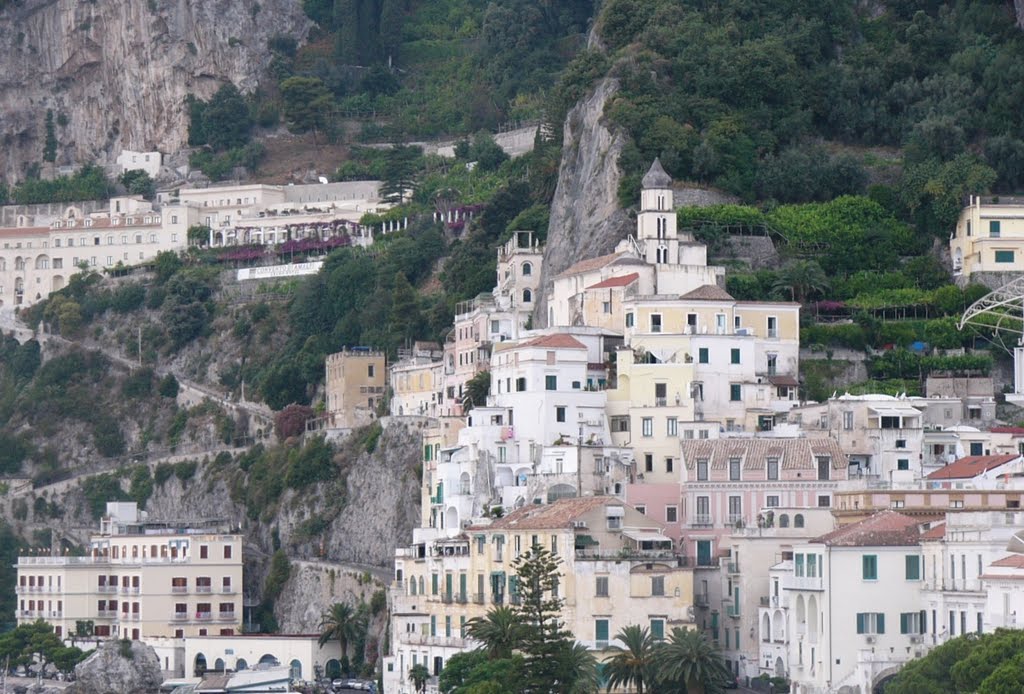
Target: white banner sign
[[271, 271]]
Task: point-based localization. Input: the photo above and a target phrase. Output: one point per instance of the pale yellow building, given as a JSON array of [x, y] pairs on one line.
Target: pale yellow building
[[417, 381], [355, 387], [617, 569], [989, 236], [141, 579]]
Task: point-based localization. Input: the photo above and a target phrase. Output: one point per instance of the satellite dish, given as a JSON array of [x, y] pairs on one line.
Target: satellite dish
[[323, 179]]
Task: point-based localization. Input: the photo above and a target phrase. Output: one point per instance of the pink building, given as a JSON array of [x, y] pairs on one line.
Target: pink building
[[731, 483]]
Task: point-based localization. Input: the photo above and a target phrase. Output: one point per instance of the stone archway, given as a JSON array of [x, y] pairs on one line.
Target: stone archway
[[199, 665], [218, 665], [240, 664], [268, 659], [884, 678], [333, 668]]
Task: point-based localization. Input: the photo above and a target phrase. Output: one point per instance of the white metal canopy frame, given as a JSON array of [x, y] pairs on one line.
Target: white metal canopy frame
[[1001, 311]]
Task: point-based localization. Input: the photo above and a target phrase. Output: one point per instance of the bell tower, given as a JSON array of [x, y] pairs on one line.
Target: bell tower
[[656, 221]]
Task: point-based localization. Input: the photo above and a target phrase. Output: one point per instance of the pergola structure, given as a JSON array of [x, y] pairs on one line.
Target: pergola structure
[[1002, 312]]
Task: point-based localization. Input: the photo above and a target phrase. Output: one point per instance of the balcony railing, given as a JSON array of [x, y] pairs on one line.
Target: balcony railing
[[660, 402], [106, 614], [204, 616], [28, 614], [179, 589], [701, 520], [204, 589], [130, 590], [106, 589], [478, 598], [498, 598], [447, 598], [733, 611], [179, 616], [700, 600], [226, 616], [734, 567], [515, 599], [228, 590], [461, 598]]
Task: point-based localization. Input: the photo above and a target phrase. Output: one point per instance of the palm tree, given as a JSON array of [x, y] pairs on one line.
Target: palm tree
[[419, 674], [631, 666], [499, 632], [341, 622], [581, 666], [803, 279], [688, 662]]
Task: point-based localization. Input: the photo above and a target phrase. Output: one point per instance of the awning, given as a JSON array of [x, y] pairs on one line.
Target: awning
[[585, 541], [782, 380], [615, 512], [895, 411], [646, 536]]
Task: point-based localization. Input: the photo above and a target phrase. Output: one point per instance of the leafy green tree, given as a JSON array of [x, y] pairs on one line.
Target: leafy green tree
[[580, 667], [477, 390], [486, 152], [138, 182], [307, 104], [342, 623], [198, 235], [632, 666], [803, 279], [473, 672], [223, 122], [499, 632], [400, 168], [688, 663]]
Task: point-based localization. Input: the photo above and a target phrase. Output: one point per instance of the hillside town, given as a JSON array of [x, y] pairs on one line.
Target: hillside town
[[650, 435]]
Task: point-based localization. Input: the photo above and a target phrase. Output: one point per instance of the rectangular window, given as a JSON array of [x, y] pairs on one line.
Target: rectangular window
[[629, 320], [902, 463], [656, 323], [671, 514], [1004, 256], [559, 414], [702, 470], [869, 567], [771, 501], [521, 384], [870, 623], [601, 632], [670, 464], [994, 228], [734, 357], [204, 552], [601, 587], [734, 469], [824, 463], [735, 392], [913, 567], [551, 383], [647, 426], [657, 585], [648, 462], [658, 629], [702, 355], [227, 551], [672, 426], [824, 501], [773, 469], [847, 421]]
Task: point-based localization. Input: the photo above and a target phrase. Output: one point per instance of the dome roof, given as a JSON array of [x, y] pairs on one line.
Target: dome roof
[[656, 177]]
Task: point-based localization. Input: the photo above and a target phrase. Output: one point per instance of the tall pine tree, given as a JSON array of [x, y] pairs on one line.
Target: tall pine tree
[[545, 639]]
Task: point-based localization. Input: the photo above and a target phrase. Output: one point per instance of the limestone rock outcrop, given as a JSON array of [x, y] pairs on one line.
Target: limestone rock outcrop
[[586, 220], [116, 73], [110, 671]]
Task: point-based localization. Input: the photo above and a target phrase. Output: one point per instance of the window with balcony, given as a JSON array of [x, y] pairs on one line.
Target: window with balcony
[[735, 509], [179, 584], [203, 584], [660, 394], [703, 511], [226, 585], [601, 633], [773, 326], [657, 585]]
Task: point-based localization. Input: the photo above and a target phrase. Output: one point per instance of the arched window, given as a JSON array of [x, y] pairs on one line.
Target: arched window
[[798, 520], [784, 521], [527, 269], [412, 587], [527, 296]]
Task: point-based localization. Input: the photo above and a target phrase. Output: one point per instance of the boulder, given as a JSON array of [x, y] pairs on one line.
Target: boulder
[[118, 668]]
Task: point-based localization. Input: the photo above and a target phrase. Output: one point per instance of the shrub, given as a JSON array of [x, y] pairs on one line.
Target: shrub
[[168, 387], [99, 489], [185, 470], [291, 421]]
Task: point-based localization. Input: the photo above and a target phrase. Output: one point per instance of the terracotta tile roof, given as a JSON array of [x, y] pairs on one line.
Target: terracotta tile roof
[[24, 231], [882, 529], [620, 258], [971, 466], [555, 341], [708, 292], [936, 532], [553, 516], [793, 454], [1016, 431], [1013, 561], [623, 281]]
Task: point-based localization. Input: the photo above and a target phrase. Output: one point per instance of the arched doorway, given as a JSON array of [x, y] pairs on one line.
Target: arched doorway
[[268, 659], [199, 666], [240, 664], [296, 670], [218, 665], [333, 668], [780, 668]]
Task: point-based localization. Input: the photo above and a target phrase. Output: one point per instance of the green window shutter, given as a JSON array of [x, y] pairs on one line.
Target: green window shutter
[[433, 625], [1004, 256], [924, 621], [658, 629], [904, 623], [994, 228], [601, 630], [702, 355], [913, 567], [880, 620], [735, 356], [869, 564], [433, 584], [860, 622]]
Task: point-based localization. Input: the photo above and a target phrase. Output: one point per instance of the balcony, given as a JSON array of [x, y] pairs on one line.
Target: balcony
[[179, 616], [204, 616], [204, 589], [447, 598], [228, 590], [29, 614], [515, 599], [735, 519], [733, 611], [226, 616], [700, 599], [461, 598], [478, 598], [179, 589], [701, 520], [498, 598], [734, 567], [134, 617], [130, 590], [106, 614], [804, 583], [106, 589], [660, 402]]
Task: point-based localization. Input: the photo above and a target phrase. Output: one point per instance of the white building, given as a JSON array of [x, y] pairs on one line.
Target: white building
[[300, 653], [855, 607], [129, 160]]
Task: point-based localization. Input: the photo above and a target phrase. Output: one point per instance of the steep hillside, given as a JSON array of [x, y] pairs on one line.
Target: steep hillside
[[116, 73]]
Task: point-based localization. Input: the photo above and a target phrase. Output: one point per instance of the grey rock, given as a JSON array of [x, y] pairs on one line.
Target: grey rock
[[107, 671], [586, 220]]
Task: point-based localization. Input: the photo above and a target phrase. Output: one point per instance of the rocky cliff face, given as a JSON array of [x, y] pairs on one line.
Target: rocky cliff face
[[117, 669], [116, 72], [585, 217], [1019, 6]]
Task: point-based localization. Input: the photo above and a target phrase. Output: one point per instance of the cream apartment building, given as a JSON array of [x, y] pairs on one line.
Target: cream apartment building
[[140, 579], [355, 387], [989, 237], [616, 570]]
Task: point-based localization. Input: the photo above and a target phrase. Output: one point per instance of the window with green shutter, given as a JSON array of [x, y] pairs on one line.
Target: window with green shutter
[[658, 629], [433, 584], [913, 567], [1004, 256], [734, 356], [448, 626], [702, 355], [735, 392], [433, 625], [601, 632], [869, 564], [994, 228], [861, 622]]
